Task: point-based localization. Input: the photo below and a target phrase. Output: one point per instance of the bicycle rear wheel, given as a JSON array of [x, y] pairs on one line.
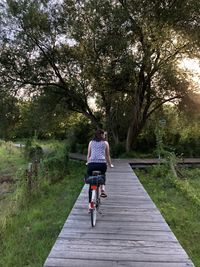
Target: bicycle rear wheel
[[93, 214], [98, 199]]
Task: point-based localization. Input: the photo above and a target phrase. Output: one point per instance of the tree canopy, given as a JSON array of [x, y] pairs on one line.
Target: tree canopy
[[123, 53]]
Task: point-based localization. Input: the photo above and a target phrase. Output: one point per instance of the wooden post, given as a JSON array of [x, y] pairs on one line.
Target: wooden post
[[29, 176]]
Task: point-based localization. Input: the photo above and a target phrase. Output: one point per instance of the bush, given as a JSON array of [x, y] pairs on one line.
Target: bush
[[117, 150], [2, 142], [80, 136], [56, 163], [189, 147], [35, 153]]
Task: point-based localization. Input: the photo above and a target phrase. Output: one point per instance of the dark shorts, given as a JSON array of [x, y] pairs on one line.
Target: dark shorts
[[93, 166]]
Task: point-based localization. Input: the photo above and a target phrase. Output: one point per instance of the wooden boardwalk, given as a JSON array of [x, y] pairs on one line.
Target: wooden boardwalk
[[130, 231]]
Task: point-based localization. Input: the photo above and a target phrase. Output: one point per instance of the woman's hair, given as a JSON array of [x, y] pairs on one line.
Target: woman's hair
[[98, 135]]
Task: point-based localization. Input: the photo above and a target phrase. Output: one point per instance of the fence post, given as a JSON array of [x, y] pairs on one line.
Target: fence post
[[29, 176]]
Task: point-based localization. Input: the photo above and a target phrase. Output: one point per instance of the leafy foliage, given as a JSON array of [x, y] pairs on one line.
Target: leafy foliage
[[9, 115], [55, 164], [124, 54]]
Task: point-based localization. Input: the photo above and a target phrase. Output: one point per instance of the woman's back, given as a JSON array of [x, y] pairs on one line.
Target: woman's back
[[98, 149]]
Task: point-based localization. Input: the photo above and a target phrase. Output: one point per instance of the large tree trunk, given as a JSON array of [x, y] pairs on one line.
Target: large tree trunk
[[110, 127], [134, 129], [132, 134], [115, 136], [129, 138]]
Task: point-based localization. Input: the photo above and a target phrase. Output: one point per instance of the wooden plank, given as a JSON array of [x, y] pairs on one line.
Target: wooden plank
[[120, 213], [129, 199], [106, 231], [119, 210], [154, 245], [98, 255], [63, 244], [145, 226], [109, 236], [59, 262], [118, 218], [119, 206]]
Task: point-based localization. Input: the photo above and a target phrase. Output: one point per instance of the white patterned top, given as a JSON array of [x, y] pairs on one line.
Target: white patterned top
[[98, 152]]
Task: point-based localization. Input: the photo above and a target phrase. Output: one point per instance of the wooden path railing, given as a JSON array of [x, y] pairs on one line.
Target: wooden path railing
[[130, 232]]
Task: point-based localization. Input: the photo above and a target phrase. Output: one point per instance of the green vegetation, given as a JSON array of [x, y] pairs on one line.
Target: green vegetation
[[179, 202], [10, 158], [125, 58], [35, 215], [38, 224], [11, 163], [69, 67]]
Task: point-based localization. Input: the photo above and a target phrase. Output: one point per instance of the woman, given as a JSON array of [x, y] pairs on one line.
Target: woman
[[98, 157]]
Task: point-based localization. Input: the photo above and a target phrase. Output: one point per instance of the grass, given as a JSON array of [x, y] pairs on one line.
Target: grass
[[30, 233], [192, 177], [10, 159], [180, 210]]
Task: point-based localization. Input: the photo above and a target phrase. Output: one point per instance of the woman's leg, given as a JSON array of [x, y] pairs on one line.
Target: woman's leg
[[90, 193], [102, 167], [89, 173], [103, 171]]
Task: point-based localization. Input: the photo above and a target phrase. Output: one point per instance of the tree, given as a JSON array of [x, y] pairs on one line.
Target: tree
[[34, 58], [44, 116], [123, 53]]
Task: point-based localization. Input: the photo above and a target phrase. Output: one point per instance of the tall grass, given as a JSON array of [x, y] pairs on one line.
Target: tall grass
[[11, 158], [11, 162], [28, 235], [34, 212]]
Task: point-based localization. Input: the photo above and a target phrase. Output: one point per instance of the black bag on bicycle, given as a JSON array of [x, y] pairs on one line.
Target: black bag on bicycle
[[95, 179]]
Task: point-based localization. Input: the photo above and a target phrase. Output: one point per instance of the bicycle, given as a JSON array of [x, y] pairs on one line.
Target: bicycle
[[94, 182]]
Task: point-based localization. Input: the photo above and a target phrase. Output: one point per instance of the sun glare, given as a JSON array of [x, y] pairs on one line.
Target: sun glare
[[192, 67]]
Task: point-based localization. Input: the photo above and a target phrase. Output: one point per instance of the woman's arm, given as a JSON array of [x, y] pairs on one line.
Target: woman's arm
[[108, 159], [89, 151]]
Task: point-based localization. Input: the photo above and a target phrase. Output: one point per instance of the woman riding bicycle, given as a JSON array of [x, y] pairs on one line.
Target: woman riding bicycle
[[98, 156]]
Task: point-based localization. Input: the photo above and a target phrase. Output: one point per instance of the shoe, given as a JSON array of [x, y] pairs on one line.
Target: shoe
[[103, 193]]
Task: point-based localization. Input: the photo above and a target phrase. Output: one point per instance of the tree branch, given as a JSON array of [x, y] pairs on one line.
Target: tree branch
[[161, 103]]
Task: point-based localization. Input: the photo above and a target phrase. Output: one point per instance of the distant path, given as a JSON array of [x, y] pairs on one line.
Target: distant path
[[139, 161], [130, 232], [19, 145]]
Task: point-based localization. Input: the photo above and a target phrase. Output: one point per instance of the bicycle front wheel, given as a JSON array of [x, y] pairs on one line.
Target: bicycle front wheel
[[93, 214]]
